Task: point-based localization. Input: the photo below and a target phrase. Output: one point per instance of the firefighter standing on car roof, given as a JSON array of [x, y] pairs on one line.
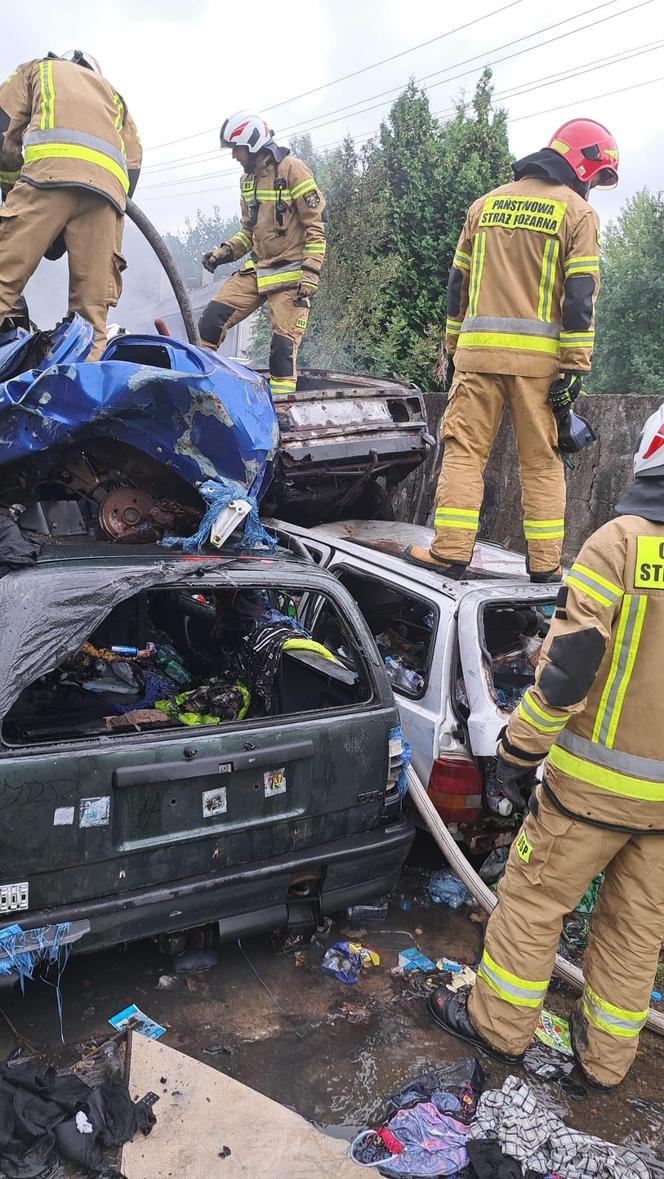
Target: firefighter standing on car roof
[[69, 157], [521, 310], [283, 225], [596, 713]]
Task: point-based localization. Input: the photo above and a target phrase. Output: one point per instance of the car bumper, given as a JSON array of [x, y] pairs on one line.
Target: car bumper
[[246, 900]]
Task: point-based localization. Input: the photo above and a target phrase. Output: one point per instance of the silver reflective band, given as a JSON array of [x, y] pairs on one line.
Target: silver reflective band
[[522, 996], [77, 138], [631, 764], [510, 325]]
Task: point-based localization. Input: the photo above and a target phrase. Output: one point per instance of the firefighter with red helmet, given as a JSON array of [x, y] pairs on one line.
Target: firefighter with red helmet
[[595, 717], [520, 331], [283, 231]]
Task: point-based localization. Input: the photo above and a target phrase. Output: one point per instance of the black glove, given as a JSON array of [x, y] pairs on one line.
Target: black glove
[[449, 373], [56, 248], [218, 257], [509, 778], [564, 392]]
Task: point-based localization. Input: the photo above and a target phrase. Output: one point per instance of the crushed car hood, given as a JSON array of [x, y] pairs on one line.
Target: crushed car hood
[[200, 415]]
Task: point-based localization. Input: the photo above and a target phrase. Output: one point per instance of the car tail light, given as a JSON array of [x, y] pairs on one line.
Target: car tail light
[[455, 789]]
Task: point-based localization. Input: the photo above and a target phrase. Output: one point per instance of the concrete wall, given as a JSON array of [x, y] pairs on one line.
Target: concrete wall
[[601, 473]]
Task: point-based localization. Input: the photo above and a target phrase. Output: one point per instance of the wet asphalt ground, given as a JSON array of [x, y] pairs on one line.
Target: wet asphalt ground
[[330, 1051]]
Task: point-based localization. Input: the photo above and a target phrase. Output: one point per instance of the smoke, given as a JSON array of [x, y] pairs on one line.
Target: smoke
[[144, 286]]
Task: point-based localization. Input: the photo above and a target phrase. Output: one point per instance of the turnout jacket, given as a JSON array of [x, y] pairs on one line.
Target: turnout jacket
[[596, 711], [283, 222], [63, 124], [524, 281]]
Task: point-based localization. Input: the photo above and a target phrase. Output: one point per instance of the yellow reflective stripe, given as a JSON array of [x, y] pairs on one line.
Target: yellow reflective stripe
[[606, 779], [520, 992], [627, 641], [243, 238], [309, 645], [615, 591], [477, 266], [461, 260], [617, 1021], [454, 324], [283, 383], [120, 112], [314, 247], [302, 187], [464, 518], [273, 194], [248, 265], [72, 151], [587, 589], [547, 278], [273, 280], [515, 343], [576, 339], [586, 264], [543, 529], [42, 88], [546, 719]]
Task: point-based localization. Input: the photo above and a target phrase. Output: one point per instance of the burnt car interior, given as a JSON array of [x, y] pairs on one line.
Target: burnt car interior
[[403, 625], [168, 658], [511, 637]]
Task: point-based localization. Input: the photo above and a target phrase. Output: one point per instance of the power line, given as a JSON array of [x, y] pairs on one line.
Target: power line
[[475, 57], [497, 61], [315, 125], [512, 92], [518, 119], [355, 73]]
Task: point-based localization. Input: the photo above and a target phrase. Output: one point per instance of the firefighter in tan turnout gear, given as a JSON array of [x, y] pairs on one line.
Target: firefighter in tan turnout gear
[[520, 303], [69, 157], [596, 713], [283, 230]]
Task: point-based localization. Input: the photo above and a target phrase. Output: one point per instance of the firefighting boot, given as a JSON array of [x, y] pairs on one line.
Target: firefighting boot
[[422, 557], [449, 1011], [577, 1034]]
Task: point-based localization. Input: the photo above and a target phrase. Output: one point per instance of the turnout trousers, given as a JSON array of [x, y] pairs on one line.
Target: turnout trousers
[[552, 861], [237, 298], [469, 427], [30, 220]]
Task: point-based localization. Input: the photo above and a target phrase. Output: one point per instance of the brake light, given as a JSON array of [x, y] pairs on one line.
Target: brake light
[[455, 789]]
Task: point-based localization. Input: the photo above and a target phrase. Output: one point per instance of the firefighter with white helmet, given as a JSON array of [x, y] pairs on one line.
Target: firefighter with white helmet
[[69, 157], [283, 231], [520, 330], [595, 715]]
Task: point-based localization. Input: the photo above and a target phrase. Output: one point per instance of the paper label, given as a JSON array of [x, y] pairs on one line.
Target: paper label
[[274, 782], [63, 816], [143, 1024], [214, 802], [95, 812]]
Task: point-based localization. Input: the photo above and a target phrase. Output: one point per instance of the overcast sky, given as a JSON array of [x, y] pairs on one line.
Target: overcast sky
[[182, 65]]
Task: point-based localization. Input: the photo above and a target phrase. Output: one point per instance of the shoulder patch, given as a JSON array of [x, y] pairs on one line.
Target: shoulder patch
[[312, 199], [649, 569]]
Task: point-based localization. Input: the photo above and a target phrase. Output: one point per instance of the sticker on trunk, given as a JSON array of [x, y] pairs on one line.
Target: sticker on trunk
[[275, 782], [214, 802], [63, 816], [95, 812]]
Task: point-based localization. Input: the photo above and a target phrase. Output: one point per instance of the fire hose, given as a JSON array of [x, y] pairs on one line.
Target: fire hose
[[164, 255], [483, 895]]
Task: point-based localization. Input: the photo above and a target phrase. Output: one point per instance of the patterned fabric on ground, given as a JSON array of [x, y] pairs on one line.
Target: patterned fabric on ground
[[526, 1131], [434, 1143]]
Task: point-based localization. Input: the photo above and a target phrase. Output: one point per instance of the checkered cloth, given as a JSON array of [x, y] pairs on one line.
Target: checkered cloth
[[526, 1131]]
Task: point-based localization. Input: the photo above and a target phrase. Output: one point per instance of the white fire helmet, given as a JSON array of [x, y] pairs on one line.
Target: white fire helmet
[[80, 57], [245, 129], [649, 457]]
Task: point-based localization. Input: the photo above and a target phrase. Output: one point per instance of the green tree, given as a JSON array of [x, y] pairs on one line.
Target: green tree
[[629, 356], [199, 236]]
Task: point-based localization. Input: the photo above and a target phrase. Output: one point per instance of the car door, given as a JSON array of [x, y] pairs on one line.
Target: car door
[[486, 719]]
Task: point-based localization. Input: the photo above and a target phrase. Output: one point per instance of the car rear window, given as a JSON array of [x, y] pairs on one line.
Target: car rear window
[[169, 658], [403, 625]]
